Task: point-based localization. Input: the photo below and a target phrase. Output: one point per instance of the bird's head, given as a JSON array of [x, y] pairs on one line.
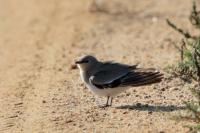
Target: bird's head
[[86, 62]]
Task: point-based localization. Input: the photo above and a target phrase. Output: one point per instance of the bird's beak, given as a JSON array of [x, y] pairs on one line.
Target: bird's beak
[[81, 62], [78, 62]]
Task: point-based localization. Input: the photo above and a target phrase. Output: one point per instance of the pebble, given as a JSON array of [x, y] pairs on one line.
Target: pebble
[[181, 96], [176, 88], [73, 66], [125, 112], [136, 95], [163, 89], [148, 96], [68, 121], [138, 104], [150, 112], [146, 105]]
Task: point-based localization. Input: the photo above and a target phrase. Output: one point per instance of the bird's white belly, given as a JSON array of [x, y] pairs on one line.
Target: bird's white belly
[[106, 91]]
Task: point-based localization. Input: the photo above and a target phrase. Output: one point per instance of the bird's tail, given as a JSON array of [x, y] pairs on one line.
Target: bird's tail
[[142, 77]]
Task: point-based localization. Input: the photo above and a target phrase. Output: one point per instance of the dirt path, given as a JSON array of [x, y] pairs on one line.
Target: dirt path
[[39, 41]]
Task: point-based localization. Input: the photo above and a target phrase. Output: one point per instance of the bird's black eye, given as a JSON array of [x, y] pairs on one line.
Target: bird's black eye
[[86, 61]]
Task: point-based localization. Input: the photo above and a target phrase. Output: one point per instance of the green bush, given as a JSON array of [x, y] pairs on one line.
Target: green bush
[[189, 66]]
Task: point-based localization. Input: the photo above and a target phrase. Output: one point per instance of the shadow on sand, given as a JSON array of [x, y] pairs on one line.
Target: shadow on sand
[[152, 108]]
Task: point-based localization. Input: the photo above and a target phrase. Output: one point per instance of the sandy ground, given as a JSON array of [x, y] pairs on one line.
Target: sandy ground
[[39, 92]]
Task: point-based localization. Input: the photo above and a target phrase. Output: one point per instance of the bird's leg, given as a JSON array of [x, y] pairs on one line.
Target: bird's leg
[[107, 101], [111, 101]]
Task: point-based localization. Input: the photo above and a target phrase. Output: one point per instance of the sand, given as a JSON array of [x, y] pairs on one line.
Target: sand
[[41, 91]]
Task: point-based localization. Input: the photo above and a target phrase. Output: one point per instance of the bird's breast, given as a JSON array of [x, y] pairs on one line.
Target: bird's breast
[[84, 77]]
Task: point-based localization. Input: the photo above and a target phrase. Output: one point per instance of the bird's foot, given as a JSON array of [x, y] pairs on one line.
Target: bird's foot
[[104, 106]]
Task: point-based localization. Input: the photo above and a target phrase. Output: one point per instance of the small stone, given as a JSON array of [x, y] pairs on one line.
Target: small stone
[[154, 87], [146, 105], [80, 126], [63, 55], [81, 84], [136, 95], [181, 96], [163, 89], [138, 104], [124, 57], [150, 112], [147, 96], [175, 88], [125, 112], [73, 66], [43, 101]]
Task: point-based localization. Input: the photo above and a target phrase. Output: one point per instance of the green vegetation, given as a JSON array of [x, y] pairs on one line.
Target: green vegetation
[[190, 49], [189, 66]]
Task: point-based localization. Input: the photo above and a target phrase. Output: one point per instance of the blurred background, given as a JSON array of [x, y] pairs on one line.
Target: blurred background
[[40, 89]]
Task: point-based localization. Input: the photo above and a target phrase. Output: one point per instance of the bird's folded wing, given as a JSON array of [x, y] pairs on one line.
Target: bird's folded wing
[[109, 75], [106, 79]]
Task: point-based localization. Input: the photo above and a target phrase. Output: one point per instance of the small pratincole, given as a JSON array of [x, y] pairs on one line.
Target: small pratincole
[[110, 78]]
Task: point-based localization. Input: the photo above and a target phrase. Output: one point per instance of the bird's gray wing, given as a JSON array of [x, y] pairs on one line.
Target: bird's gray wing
[[113, 75], [110, 74]]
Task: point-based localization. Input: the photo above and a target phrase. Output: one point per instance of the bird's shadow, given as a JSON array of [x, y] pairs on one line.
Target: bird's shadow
[[152, 108]]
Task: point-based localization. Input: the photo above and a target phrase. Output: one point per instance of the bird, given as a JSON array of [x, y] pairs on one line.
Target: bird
[[110, 78]]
